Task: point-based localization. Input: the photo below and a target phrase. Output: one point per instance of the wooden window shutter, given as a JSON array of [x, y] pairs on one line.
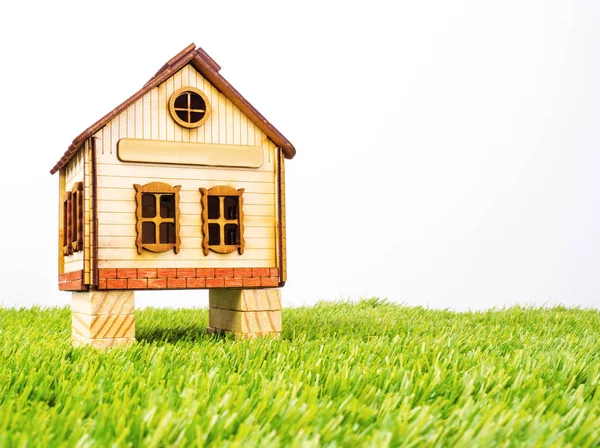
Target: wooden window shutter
[[78, 218], [73, 224], [67, 217]]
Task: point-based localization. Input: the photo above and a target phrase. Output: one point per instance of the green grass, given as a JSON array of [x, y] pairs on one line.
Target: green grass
[[344, 374]]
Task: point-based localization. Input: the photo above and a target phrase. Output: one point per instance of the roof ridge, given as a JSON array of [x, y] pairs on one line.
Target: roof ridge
[[173, 61]]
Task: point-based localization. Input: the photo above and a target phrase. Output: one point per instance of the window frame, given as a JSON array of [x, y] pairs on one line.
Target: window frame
[[221, 191], [173, 110], [157, 189]]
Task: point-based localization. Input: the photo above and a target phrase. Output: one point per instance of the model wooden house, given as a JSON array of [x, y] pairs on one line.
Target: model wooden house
[[179, 187]]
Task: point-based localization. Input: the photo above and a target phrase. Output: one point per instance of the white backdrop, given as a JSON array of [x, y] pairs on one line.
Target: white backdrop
[[448, 152]]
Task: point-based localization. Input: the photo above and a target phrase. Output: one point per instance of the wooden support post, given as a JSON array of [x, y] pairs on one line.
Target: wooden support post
[[245, 313], [102, 318]]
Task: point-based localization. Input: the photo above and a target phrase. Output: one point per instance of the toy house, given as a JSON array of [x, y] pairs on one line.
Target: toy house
[[182, 186]]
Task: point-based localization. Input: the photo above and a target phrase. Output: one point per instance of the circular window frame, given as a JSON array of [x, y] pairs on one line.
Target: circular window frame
[[174, 115]]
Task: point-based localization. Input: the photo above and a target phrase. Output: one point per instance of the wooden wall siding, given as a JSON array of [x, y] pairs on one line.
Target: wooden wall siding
[[87, 214], [149, 118], [281, 233], [61, 229], [74, 172]]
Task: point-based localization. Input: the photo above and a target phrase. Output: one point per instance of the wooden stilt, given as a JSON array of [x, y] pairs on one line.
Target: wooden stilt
[[103, 318], [245, 313]]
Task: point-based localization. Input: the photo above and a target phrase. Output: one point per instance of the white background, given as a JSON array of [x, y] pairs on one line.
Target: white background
[[447, 151]]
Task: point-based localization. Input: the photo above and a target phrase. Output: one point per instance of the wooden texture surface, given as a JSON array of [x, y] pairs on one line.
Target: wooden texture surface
[[104, 326], [220, 192], [187, 153], [103, 302], [190, 239], [245, 321], [77, 219], [245, 299], [61, 227], [149, 119], [282, 221], [157, 188], [245, 313], [73, 220], [116, 217], [89, 227], [112, 232], [184, 93], [240, 335], [128, 261], [68, 223], [102, 318], [81, 341], [73, 173]]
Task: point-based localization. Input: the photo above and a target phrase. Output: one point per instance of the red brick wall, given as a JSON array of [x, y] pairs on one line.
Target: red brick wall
[[71, 281], [187, 278]]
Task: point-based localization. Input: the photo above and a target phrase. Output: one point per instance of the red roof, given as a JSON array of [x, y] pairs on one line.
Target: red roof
[[208, 68]]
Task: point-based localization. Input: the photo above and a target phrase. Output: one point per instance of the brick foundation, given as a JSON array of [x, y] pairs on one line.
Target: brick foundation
[[187, 278], [71, 281]]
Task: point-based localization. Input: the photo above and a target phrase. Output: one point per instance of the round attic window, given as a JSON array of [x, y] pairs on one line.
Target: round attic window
[[189, 107]]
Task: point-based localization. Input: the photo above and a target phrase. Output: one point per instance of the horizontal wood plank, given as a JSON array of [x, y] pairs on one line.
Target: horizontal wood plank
[[186, 184], [103, 302], [125, 183], [123, 218], [187, 153], [186, 254], [205, 174], [123, 242], [245, 321], [104, 326], [74, 264], [77, 177], [245, 299], [173, 263], [128, 230], [188, 209], [185, 196]]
